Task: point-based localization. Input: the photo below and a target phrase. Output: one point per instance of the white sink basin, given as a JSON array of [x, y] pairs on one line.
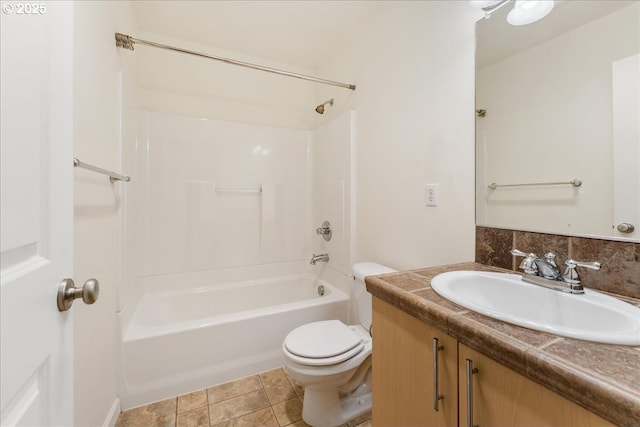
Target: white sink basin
[[591, 316]]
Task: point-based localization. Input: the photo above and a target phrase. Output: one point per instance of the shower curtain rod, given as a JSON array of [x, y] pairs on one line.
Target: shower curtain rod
[[127, 42]]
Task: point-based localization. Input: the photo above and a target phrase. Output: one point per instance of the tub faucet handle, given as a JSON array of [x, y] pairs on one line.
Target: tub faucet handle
[[325, 231]]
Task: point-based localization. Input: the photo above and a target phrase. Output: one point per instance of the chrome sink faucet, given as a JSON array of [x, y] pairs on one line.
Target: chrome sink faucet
[[545, 272], [322, 257]]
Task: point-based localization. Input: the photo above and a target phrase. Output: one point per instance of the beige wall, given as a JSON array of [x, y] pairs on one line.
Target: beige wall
[[413, 64], [99, 71]]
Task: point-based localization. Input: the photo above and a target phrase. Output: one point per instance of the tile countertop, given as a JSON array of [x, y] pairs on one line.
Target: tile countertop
[[603, 378]]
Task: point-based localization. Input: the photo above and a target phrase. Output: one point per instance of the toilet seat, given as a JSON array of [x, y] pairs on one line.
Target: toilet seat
[[322, 343]]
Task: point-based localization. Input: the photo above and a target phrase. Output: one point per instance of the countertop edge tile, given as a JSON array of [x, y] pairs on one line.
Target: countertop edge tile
[[409, 302], [605, 397], [499, 347]]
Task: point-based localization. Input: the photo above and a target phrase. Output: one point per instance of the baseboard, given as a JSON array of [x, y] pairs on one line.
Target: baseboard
[[112, 415]]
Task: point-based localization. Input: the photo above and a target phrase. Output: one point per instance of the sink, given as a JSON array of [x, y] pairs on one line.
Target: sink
[[591, 316]]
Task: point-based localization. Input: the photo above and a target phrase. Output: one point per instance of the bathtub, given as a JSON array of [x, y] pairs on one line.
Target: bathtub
[[175, 342]]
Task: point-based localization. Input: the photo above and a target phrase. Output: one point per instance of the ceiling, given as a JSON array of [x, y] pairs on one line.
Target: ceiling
[[307, 33], [498, 39], [302, 33]]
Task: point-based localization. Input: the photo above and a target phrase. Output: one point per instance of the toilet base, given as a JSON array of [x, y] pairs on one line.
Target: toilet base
[[324, 408]]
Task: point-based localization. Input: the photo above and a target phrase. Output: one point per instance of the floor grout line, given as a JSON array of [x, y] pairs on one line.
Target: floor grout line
[[124, 421]]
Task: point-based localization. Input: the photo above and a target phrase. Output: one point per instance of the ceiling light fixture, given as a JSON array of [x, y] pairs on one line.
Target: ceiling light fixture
[[528, 11], [524, 12]]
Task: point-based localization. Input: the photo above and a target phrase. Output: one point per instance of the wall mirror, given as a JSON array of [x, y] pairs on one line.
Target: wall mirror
[[558, 121]]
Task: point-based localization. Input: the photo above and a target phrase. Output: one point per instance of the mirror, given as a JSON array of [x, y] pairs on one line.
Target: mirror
[[558, 101]]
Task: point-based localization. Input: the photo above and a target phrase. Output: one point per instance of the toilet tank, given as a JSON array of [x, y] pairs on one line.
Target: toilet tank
[[361, 297]]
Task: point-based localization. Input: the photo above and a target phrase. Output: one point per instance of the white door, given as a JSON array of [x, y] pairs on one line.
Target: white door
[[36, 210]]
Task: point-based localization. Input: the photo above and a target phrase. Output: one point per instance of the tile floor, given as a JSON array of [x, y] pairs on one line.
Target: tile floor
[[269, 399]]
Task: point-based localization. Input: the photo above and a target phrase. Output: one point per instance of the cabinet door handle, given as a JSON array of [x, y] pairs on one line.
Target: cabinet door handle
[[470, 371], [437, 397]]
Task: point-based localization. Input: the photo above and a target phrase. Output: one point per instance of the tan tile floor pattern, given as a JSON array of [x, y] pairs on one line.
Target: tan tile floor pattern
[[269, 399]]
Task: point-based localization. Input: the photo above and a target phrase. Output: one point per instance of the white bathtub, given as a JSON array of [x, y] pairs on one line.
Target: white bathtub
[[176, 342]]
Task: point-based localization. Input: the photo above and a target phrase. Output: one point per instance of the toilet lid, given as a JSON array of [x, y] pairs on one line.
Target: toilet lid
[[328, 339]]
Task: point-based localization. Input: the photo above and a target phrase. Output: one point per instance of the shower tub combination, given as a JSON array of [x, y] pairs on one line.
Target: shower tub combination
[[178, 341]]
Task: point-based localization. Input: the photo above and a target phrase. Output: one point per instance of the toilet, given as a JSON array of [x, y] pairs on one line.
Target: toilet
[[333, 360]]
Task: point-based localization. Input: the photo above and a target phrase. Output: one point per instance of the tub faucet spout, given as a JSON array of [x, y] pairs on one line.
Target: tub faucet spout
[[322, 257]]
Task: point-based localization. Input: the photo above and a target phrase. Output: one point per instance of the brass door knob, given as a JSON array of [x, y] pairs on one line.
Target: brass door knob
[[68, 292]]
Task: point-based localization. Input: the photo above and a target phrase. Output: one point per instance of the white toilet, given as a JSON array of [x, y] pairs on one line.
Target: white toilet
[[333, 361]]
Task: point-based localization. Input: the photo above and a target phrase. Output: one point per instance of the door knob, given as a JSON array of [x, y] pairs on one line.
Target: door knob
[[68, 292], [625, 227]]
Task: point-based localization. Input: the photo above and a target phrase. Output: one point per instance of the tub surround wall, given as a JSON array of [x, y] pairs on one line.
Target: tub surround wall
[[620, 272], [332, 191], [216, 195], [212, 195], [224, 194]]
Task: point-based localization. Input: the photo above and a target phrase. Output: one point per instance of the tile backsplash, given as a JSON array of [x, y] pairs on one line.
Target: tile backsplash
[[620, 272]]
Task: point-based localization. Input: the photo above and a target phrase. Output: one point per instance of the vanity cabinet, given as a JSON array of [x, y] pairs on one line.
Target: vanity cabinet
[[502, 397], [403, 382], [404, 354]]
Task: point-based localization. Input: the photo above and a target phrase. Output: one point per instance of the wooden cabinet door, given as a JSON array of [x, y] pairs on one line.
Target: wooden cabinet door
[[502, 397], [403, 371]]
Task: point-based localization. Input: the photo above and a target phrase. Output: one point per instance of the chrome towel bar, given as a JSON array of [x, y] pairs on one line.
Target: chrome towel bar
[[575, 182], [113, 177]]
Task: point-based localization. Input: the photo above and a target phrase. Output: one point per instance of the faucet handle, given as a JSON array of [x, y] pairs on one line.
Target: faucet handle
[[550, 257], [571, 275], [590, 265], [528, 263], [517, 252]]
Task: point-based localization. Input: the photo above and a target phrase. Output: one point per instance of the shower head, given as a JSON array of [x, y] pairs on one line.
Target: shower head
[[320, 108]]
